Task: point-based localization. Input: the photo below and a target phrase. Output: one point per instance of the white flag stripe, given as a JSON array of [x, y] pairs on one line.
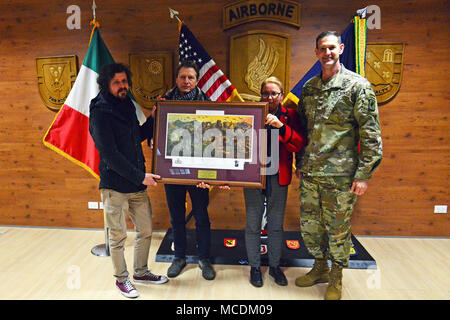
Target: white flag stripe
[[84, 90], [211, 80], [205, 68], [139, 113], [220, 90]]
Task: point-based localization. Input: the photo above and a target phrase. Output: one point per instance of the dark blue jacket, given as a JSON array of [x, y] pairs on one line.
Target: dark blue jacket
[[117, 135]]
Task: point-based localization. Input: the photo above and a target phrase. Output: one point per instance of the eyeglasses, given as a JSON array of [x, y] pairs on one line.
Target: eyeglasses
[[266, 95]]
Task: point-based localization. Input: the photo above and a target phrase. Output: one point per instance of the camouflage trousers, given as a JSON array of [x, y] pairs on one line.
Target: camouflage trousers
[[326, 207]]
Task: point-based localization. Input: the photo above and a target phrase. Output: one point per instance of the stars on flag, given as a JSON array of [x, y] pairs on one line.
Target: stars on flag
[[187, 52]]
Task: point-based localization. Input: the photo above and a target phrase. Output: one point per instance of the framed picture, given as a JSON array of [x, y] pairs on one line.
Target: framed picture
[[219, 143]]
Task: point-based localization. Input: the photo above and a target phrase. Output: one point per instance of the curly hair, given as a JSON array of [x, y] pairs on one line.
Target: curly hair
[[108, 72]]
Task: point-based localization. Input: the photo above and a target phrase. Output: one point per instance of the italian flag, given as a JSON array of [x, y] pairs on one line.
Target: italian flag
[[69, 133]]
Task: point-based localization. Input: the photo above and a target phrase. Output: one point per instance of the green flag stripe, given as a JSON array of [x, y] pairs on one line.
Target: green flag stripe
[[98, 54], [357, 46]]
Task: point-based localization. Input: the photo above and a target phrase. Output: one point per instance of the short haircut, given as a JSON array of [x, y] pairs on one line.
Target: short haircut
[[326, 34], [272, 79], [187, 64], [108, 72]]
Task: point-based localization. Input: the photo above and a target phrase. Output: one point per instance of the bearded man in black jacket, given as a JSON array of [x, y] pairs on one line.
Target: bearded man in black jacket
[[117, 135]]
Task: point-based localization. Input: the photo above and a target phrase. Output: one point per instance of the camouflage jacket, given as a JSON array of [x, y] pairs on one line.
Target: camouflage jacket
[[337, 115]]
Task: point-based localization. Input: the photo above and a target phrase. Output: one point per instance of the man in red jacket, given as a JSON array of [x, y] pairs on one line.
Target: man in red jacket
[[290, 139]]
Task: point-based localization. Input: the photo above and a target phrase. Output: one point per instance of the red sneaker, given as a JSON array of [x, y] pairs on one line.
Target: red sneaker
[[150, 278], [127, 289]]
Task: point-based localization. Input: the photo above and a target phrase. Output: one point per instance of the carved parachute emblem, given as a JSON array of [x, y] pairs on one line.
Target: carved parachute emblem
[[262, 66]]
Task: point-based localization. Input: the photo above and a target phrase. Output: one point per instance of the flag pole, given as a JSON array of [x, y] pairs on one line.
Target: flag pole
[[101, 250], [94, 21], [94, 6]]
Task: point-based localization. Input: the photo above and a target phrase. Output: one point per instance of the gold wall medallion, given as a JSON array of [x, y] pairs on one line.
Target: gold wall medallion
[[56, 76], [151, 76], [255, 56], [384, 68], [239, 12]]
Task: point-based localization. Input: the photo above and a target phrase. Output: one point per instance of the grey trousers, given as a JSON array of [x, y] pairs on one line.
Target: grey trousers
[[254, 207], [137, 205]]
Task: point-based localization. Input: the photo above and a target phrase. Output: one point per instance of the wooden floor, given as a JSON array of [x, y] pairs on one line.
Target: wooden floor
[[45, 263]]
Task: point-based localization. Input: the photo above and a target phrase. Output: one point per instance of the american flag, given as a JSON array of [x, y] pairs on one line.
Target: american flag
[[211, 81]]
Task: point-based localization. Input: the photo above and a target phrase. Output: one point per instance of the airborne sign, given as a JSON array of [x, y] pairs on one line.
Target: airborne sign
[[240, 12]]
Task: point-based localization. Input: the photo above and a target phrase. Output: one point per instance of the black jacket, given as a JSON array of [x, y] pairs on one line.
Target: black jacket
[[117, 135]]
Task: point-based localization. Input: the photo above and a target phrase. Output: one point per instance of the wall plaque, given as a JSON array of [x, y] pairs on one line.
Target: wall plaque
[[56, 76], [384, 68], [255, 56], [152, 76]]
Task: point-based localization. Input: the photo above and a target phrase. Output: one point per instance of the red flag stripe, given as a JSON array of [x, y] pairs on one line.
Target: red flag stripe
[[216, 85], [70, 134], [208, 74], [226, 94]]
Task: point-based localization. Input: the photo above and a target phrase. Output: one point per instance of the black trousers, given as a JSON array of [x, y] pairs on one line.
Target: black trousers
[[176, 200], [254, 208]]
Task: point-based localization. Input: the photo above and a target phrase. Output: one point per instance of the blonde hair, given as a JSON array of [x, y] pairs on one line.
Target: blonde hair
[[272, 79]]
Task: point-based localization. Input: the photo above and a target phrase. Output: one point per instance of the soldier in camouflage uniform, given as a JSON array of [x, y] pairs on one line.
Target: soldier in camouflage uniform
[[339, 110]]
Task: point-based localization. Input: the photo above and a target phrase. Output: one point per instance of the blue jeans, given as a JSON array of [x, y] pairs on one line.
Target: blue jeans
[[176, 200]]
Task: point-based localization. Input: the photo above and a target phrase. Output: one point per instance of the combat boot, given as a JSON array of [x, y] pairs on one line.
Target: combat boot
[[318, 274], [334, 290]]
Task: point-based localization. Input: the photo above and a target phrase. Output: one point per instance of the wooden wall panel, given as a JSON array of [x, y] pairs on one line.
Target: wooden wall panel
[[41, 188]]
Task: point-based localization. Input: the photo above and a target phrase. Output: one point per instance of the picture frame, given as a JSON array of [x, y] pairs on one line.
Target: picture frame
[[218, 143]]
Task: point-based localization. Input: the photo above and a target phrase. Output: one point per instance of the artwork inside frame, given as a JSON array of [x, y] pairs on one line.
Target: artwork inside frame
[[219, 143]]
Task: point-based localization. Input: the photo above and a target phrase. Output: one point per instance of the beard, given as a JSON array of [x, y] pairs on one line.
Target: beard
[[121, 94]]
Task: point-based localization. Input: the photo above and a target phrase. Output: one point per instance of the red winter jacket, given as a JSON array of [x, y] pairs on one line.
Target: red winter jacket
[[292, 141]]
